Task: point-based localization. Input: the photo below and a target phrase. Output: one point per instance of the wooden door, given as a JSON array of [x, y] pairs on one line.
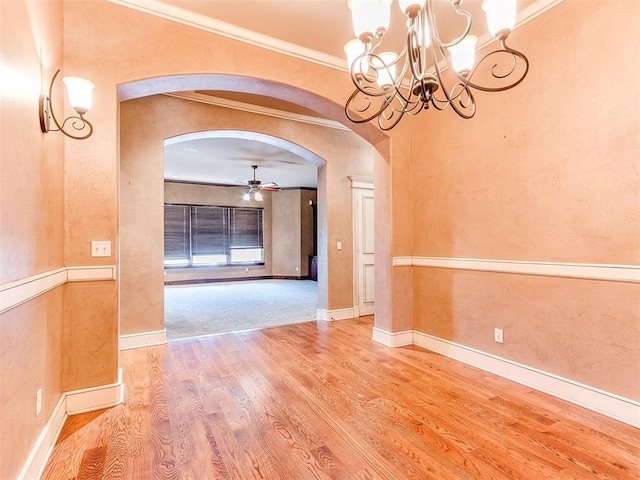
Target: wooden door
[[364, 268]]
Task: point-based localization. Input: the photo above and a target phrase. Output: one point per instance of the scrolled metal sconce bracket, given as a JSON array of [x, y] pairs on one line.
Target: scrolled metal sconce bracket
[[77, 122]]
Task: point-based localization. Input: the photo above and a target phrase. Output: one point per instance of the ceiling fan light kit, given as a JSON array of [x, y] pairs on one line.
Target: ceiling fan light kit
[[390, 85], [255, 186]]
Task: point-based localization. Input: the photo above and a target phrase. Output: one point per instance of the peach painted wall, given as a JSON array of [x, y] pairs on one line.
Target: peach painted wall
[[146, 122], [286, 233], [127, 46], [31, 224], [226, 196], [546, 172], [394, 206], [292, 232]]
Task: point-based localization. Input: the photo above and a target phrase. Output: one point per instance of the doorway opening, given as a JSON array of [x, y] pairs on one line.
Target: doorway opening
[[141, 296], [238, 248]]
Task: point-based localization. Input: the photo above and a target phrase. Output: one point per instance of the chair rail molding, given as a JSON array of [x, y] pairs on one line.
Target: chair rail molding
[[591, 271], [20, 291]]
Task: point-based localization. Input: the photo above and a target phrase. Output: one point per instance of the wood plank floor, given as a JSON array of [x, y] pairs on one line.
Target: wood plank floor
[[323, 401]]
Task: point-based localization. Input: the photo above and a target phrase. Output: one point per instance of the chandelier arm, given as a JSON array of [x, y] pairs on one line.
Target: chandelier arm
[[464, 101], [409, 104], [466, 79], [438, 72], [397, 78], [415, 55], [415, 47], [386, 127], [450, 97], [515, 55], [433, 26], [371, 46], [435, 103], [350, 105], [371, 88], [388, 114], [460, 102]]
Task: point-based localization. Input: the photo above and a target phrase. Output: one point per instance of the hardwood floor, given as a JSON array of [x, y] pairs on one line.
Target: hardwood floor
[[322, 400]]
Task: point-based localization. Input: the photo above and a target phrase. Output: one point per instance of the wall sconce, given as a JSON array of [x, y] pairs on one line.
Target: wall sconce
[[79, 92]]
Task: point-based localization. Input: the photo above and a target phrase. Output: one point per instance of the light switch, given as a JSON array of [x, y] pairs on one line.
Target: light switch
[[339, 245], [100, 248]]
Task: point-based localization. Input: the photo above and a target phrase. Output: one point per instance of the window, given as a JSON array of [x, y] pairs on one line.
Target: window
[[204, 235]]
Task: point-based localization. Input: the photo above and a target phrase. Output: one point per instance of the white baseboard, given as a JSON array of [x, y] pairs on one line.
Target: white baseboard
[[41, 451], [95, 398], [70, 403], [144, 339], [392, 339], [609, 404], [333, 315]]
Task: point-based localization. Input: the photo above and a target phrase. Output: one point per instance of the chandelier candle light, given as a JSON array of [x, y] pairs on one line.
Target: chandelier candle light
[[388, 85]]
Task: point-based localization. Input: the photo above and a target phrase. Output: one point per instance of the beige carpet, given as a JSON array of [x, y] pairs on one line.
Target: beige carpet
[[204, 309]]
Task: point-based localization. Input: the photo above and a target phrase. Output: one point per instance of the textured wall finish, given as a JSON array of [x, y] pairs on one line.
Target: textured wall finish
[[292, 232], [286, 233], [142, 195], [31, 224], [548, 172]]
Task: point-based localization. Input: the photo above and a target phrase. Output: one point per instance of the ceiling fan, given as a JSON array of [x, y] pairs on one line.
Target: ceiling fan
[[256, 185]]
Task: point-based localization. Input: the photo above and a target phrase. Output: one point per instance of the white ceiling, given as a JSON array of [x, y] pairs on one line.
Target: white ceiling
[[312, 29], [224, 160]]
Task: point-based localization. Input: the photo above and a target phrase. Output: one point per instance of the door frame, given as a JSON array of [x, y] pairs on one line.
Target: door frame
[[358, 184]]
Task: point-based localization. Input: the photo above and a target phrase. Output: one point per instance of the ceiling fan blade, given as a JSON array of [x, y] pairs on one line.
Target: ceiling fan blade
[[270, 189], [243, 182], [270, 185]]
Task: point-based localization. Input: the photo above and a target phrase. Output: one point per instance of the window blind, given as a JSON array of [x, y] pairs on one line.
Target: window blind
[[246, 228], [208, 230], [202, 235], [176, 232]]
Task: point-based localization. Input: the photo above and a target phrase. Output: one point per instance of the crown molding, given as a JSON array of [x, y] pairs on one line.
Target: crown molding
[[203, 22], [224, 29], [257, 109]]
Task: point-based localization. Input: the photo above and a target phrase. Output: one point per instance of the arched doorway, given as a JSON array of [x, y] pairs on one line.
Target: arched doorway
[[138, 271]]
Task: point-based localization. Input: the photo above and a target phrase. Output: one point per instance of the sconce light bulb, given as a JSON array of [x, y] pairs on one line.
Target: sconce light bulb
[[80, 93]]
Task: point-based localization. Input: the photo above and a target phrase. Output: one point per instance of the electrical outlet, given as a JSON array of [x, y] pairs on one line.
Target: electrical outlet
[[297, 269], [339, 245], [38, 402], [498, 335]]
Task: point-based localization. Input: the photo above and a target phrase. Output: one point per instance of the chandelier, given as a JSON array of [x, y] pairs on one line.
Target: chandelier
[[429, 71]]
